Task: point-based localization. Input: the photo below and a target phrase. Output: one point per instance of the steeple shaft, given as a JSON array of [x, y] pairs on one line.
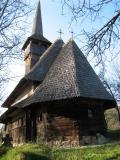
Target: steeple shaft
[[37, 24], [36, 44]]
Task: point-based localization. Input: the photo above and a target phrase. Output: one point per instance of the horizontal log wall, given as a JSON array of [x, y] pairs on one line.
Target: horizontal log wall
[[61, 128], [17, 130], [59, 124], [65, 124]]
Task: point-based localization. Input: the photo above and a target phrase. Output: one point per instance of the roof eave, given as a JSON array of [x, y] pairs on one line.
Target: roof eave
[[11, 97], [106, 103], [44, 40]]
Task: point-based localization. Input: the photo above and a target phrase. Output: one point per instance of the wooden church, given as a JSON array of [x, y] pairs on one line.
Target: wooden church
[[60, 100]]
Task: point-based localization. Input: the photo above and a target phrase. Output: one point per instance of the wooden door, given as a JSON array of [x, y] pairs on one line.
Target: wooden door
[[30, 126]]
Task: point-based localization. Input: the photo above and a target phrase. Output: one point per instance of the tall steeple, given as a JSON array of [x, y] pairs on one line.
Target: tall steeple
[[36, 44], [37, 23]]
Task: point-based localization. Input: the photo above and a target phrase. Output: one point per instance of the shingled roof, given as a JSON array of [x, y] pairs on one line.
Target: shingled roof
[[70, 76], [39, 71]]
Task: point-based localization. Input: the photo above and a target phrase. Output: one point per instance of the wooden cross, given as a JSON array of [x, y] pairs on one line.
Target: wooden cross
[[60, 32]]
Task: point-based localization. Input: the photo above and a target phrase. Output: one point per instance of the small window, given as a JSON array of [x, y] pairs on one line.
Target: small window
[[35, 42], [90, 114]]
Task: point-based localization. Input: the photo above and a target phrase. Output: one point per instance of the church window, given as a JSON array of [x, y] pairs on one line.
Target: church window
[[35, 42], [90, 113]]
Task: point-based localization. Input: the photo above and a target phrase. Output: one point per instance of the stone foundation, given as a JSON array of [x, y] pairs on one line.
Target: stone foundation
[[86, 140]]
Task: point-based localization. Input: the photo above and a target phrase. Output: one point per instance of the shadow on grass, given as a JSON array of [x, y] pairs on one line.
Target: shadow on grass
[[116, 157], [3, 150], [32, 156]]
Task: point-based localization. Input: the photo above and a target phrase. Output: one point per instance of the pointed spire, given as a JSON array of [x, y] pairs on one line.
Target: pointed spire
[[37, 23]]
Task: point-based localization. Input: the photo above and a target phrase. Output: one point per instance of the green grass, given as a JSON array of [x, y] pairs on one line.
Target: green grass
[[106, 152], [3, 150], [42, 152], [27, 151]]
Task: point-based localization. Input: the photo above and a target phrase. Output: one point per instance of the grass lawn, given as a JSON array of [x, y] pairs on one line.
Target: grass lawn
[[27, 152], [42, 152], [106, 152]]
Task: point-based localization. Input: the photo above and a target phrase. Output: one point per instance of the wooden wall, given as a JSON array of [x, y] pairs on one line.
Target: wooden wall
[[19, 131], [16, 129], [58, 124], [66, 124]]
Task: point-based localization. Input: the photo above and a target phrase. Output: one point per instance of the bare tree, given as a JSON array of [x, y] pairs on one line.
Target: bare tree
[[113, 85], [116, 80], [12, 20], [12, 13], [101, 42], [105, 37]]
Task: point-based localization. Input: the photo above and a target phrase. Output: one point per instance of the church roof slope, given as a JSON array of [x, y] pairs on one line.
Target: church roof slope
[[70, 76], [15, 93], [39, 71]]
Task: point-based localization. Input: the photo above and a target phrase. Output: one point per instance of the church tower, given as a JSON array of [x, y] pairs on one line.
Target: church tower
[[36, 44]]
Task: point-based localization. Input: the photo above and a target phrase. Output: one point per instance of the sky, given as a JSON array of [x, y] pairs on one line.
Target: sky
[[53, 21]]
